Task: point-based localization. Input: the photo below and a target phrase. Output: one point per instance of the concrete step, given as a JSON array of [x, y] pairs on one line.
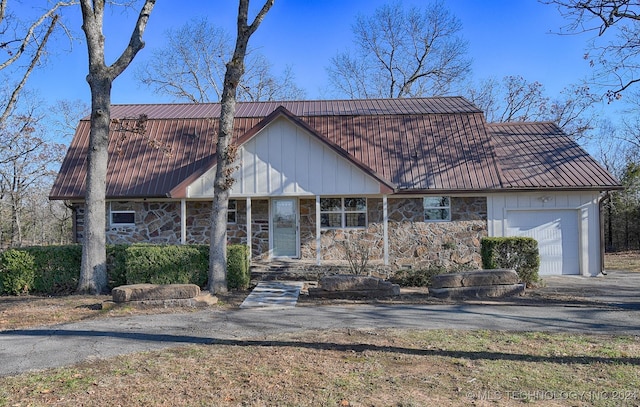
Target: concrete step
[[274, 294]]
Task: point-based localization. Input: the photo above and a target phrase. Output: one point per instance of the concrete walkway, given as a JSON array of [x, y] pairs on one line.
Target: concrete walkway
[[274, 294]]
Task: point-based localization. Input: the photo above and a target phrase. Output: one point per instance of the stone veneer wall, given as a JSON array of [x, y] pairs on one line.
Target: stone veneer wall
[[159, 222], [156, 222], [454, 244], [412, 241]]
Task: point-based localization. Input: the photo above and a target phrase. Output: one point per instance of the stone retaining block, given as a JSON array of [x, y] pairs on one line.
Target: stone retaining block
[[147, 292], [475, 278], [477, 284], [349, 286]]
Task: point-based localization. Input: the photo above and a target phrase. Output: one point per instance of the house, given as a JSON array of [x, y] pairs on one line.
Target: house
[[417, 181]]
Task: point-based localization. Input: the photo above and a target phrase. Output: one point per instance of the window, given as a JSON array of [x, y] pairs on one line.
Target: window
[[338, 213], [123, 218], [437, 208], [232, 211]]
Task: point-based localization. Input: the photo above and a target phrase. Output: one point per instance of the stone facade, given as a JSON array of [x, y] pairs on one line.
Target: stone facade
[[157, 222], [413, 241], [454, 245]]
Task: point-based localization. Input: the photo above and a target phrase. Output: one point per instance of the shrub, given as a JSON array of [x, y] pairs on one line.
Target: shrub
[[517, 253], [165, 264], [238, 272], [16, 272], [357, 251], [419, 277], [116, 264], [57, 268]]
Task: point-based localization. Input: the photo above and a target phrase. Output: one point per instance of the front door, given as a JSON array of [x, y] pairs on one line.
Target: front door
[[284, 227]]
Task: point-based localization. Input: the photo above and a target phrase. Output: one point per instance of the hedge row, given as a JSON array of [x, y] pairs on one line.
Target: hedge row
[[517, 253], [55, 270]]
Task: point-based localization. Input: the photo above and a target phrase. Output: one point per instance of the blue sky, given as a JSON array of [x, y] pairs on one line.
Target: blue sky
[[506, 37]]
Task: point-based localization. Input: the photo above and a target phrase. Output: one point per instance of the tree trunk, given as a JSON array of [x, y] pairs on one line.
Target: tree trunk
[[94, 259], [223, 181], [93, 273], [225, 152]]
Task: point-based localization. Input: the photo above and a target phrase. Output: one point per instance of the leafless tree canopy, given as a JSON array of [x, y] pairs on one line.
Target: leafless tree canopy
[[615, 52], [28, 163], [23, 42], [402, 53], [192, 64], [515, 99]]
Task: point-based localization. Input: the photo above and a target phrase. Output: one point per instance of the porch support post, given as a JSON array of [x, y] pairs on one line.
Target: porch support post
[[249, 235], [183, 221], [385, 229], [318, 254]]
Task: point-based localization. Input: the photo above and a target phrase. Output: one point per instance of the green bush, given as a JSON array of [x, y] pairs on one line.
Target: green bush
[[419, 277], [17, 272], [165, 264], [238, 272], [116, 264], [517, 253], [57, 268]]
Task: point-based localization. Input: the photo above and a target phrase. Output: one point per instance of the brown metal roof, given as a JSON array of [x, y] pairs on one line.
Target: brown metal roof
[[365, 107], [541, 155], [425, 145]]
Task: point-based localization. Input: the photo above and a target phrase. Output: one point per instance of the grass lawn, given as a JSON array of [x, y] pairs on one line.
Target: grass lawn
[[353, 368], [622, 261]]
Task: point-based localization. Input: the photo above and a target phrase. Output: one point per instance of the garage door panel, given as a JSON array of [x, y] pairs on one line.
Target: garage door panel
[[557, 234]]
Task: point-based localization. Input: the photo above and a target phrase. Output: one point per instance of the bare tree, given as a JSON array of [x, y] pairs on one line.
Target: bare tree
[[93, 274], [617, 62], [402, 53], [514, 99], [23, 41], [25, 165], [191, 67], [225, 151]]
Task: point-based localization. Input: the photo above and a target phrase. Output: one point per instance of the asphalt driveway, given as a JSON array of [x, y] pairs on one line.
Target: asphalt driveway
[[617, 288], [601, 305]]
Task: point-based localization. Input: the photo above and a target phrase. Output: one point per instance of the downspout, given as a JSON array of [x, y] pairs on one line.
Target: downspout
[[602, 198]]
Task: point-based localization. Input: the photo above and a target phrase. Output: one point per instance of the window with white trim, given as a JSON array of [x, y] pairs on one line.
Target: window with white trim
[[340, 213], [437, 208], [123, 218], [232, 211]]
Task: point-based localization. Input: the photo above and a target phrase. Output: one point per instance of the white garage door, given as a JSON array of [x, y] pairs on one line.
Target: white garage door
[[557, 234]]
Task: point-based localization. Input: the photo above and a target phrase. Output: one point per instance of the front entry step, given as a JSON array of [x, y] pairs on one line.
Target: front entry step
[[274, 294]]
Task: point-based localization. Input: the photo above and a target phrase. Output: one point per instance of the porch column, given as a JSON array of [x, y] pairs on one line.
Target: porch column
[[183, 221], [385, 229], [249, 239], [318, 254]]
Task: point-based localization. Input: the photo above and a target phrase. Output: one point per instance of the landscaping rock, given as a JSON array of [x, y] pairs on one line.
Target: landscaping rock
[[478, 292], [475, 278], [146, 292], [351, 286], [477, 284]]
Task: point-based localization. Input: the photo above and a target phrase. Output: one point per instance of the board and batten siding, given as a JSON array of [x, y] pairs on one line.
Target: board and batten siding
[[285, 160], [578, 214]]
